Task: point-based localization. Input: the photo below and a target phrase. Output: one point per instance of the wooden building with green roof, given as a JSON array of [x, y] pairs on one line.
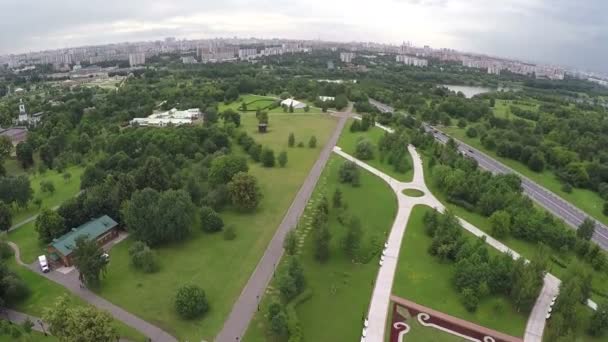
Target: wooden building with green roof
[[102, 229]]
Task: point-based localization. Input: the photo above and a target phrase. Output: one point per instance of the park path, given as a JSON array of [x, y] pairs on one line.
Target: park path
[[71, 282], [33, 217], [379, 305], [247, 304]]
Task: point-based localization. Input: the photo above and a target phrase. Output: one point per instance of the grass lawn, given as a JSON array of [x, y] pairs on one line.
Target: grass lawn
[[44, 293], [260, 101], [413, 193], [586, 200], [525, 248], [348, 142], [423, 279], [63, 191], [341, 289], [32, 336], [26, 238], [220, 267], [501, 110]]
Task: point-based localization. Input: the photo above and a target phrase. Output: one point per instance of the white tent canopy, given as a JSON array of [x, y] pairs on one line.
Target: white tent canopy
[[294, 103]]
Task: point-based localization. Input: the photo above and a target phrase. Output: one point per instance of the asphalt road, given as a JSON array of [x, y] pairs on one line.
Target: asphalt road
[[248, 302], [545, 198]]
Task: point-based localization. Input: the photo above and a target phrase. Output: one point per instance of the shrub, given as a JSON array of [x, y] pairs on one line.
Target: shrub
[[191, 302], [349, 173], [143, 258], [210, 220], [267, 157], [291, 140], [355, 126], [5, 250], [567, 188], [230, 232], [282, 159], [364, 150], [312, 143], [301, 144]]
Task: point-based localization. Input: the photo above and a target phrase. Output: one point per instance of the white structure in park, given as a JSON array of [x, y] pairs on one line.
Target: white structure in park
[[295, 104], [326, 98], [172, 117]]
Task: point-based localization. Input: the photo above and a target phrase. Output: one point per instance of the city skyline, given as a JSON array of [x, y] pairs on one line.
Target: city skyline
[[559, 32]]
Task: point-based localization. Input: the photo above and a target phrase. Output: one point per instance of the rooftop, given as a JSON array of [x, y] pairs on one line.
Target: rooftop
[[91, 230]]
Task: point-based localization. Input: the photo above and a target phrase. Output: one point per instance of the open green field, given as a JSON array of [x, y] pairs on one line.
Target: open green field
[[220, 267], [255, 102], [63, 190], [423, 279], [525, 248], [341, 289], [44, 293], [501, 109], [586, 200], [348, 143], [26, 238]]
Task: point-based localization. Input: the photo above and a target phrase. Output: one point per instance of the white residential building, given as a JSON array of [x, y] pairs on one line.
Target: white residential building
[[347, 57], [137, 59], [171, 117], [245, 54], [413, 61]]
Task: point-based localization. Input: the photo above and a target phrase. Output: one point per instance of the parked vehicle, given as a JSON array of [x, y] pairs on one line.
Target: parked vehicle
[[44, 265]]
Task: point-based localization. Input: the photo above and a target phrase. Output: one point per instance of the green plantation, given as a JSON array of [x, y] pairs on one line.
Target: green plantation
[[337, 291]]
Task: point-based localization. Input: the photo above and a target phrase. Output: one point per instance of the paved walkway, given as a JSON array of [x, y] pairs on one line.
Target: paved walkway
[[33, 217], [71, 282], [379, 305], [247, 303]]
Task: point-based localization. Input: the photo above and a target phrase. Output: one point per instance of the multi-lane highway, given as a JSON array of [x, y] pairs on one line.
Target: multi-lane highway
[[545, 198]]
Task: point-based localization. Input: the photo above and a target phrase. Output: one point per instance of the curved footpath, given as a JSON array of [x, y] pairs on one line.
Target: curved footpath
[[380, 301], [247, 304], [71, 282]]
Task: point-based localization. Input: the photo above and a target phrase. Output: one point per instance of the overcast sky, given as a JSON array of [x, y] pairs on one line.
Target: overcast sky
[[567, 32]]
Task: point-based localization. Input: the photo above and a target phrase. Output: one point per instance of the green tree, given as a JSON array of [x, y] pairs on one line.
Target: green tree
[[291, 141], [471, 132], [46, 155], [321, 240], [282, 159], [586, 230], [191, 302], [49, 225], [47, 186], [152, 175], [307, 108], [352, 240], [6, 218], [69, 323], [223, 168], [500, 223], [469, 299], [25, 154], [210, 220], [244, 191], [337, 198], [290, 244], [143, 258], [599, 320], [157, 218], [536, 162], [349, 173], [267, 157], [6, 146], [355, 126], [89, 261], [312, 143], [364, 150]]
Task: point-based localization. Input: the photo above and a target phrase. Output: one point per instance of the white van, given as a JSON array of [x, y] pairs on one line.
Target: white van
[[44, 266]]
